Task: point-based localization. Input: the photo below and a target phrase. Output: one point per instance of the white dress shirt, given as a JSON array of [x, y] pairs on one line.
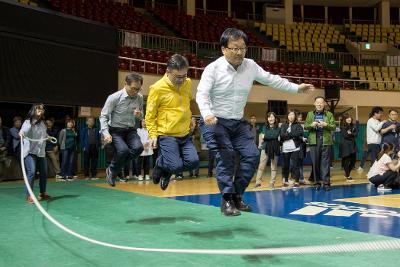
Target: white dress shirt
[[223, 91]]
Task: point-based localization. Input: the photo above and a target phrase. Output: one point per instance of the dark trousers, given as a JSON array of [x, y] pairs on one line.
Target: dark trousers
[[320, 157], [291, 161], [90, 160], [348, 163], [127, 146], [109, 151], [211, 159], [176, 154], [67, 163], [225, 139], [300, 167], [364, 159], [195, 171], [31, 162], [143, 163], [387, 179], [374, 149]]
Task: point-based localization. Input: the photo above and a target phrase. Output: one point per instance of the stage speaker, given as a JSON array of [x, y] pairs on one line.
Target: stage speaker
[[279, 107], [332, 92]]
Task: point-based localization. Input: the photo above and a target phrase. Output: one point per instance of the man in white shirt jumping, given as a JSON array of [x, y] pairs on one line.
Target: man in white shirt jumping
[[221, 95]]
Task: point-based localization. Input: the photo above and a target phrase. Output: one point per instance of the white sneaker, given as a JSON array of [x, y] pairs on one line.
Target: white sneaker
[[140, 178], [134, 177], [360, 169], [147, 177], [383, 188]]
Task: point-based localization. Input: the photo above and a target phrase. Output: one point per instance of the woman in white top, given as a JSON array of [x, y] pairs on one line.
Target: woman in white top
[[144, 159], [384, 172], [291, 137], [35, 152]]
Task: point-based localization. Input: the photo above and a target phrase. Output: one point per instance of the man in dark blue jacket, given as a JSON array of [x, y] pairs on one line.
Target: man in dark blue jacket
[[5, 140], [90, 142]]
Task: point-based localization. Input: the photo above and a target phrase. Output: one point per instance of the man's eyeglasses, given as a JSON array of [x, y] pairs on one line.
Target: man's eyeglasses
[[237, 49]]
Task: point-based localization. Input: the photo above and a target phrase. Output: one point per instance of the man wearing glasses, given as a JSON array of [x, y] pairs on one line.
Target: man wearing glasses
[[222, 95], [117, 120], [168, 118]]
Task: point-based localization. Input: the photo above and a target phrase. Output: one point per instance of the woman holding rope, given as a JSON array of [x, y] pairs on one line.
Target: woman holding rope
[[33, 131]]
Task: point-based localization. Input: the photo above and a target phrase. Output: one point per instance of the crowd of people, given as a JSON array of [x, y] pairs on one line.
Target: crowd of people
[[165, 132]]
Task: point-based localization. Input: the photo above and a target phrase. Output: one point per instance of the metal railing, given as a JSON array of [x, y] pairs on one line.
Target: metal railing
[[146, 64], [160, 42], [311, 20], [218, 13], [345, 84], [148, 5], [359, 21], [212, 50], [251, 18]]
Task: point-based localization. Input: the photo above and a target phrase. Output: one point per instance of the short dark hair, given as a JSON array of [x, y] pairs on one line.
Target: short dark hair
[[133, 77], [177, 62], [375, 110], [252, 115], [318, 97], [17, 118], [232, 34]]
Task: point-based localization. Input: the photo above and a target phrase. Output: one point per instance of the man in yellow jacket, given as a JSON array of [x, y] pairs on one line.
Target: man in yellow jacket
[[168, 118]]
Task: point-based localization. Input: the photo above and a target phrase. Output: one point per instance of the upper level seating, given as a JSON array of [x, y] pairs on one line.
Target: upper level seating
[[310, 73], [370, 75], [202, 27], [154, 56], [119, 15], [374, 33], [305, 37]]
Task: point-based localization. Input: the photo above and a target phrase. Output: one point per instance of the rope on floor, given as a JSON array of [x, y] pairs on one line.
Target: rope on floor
[[325, 249]]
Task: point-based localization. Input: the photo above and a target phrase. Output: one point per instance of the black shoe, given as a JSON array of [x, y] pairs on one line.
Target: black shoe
[[110, 180], [228, 208], [239, 204], [317, 186], [327, 187], [156, 175], [165, 181], [209, 175]]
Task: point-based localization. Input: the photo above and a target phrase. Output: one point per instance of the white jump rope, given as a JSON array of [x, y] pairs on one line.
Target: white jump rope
[[339, 248]]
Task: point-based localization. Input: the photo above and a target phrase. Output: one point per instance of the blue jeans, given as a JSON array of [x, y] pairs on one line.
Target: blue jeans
[[176, 154], [30, 166], [225, 139], [127, 147], [67, 162]]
